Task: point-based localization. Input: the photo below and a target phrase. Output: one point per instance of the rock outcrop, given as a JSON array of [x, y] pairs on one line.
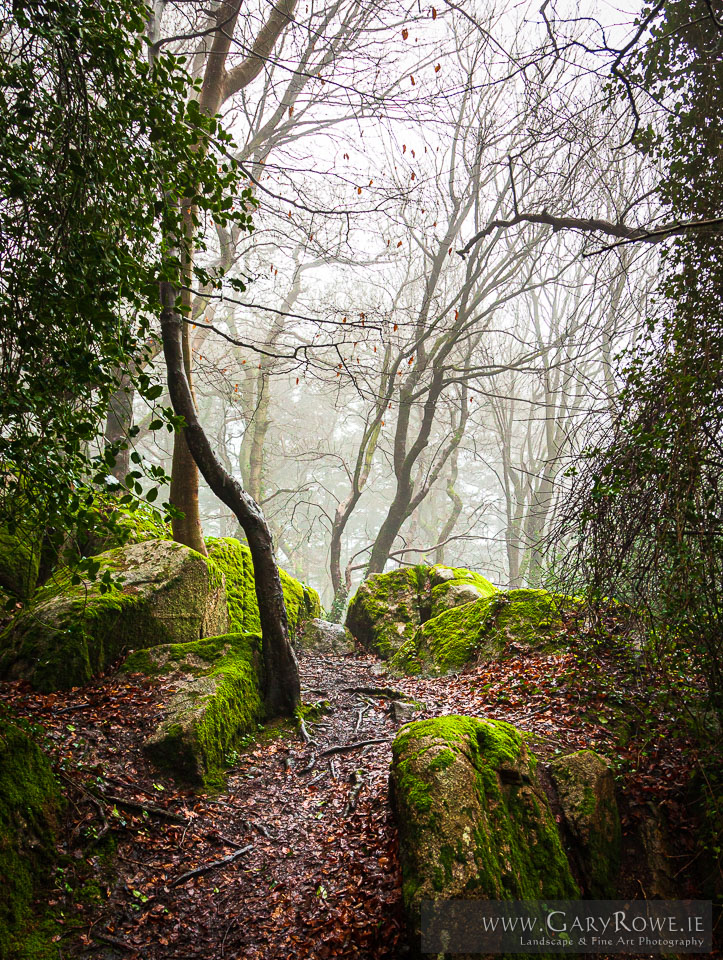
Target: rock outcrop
[[474, 821], [71, 632], [586, 791], [216, 701], [234, 560], [388, 608], [322, 638], [513, 622]]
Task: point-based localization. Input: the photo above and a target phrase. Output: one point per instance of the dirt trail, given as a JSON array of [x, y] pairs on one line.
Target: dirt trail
[[321, 878], [315, 871]]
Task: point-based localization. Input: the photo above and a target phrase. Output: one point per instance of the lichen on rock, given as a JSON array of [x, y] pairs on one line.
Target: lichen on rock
[[474, 822], [217, 699], [234, 560], [30, 807], [71, 632], [586, 791]]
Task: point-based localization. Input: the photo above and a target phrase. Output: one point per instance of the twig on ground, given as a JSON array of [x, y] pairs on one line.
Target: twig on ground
[[310, 765], [304, 732], [359, 719], [115, 942], [347, 747], [143, 808], [207, 867]]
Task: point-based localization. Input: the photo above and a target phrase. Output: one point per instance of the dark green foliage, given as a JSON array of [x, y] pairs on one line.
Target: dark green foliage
[[647, 511], [99, 153]]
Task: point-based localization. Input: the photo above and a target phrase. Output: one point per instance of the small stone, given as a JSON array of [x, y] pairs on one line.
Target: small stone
[[402, 712]]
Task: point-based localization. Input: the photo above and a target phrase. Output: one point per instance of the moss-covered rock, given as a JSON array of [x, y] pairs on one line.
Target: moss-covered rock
[[70, 633], [217, 700], [586, 791], [388, 608], [321, 638], [234, 560], [30, 806], [19, 561], [514, 622], [474, 822], [455, 586]]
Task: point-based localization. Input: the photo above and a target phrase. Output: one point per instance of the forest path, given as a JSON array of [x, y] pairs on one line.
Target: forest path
[[316, 872]]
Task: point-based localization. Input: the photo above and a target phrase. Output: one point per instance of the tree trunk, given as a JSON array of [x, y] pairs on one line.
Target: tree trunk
[[187, 528], [454, 515], [282, 688]]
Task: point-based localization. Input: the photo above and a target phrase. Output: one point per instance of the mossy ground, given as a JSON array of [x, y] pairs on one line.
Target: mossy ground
[[218, 702]]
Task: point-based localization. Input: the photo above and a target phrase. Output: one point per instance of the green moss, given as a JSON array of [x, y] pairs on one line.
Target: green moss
[[450, 640], [515, 621], [386, 610], [473, 818], [30, 805], [217, 703], [234, 560], [19, 561]]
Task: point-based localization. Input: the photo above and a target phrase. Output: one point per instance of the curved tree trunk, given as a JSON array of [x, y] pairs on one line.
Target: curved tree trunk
[[282, 686]]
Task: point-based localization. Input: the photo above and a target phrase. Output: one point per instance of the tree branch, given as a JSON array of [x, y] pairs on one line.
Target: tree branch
[[595, 225]]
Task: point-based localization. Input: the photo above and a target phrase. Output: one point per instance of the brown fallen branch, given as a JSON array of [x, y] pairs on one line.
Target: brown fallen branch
[[115, 942], [207, 867], [143, 808], [388, 692], [348, 747]]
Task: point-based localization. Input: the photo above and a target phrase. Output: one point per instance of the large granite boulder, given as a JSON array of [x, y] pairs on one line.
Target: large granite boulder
[[388, 608], [72, 632], [234, 560], [322, 638], [474, 821], [216, 700], [513, 622], [586, 791]]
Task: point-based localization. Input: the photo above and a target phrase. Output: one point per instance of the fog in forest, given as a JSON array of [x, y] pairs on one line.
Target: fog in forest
[[408, 376]]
